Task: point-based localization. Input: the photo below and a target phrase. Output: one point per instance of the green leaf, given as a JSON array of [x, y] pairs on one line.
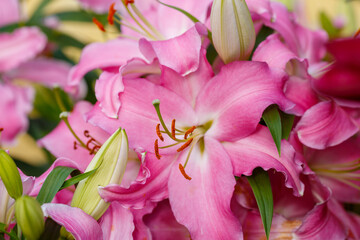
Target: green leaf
[[287, 121], [60, 38], [53, 183], [272, 119], [11, 234], [77, 179], [260, 184], [39, 10], [328, 26]]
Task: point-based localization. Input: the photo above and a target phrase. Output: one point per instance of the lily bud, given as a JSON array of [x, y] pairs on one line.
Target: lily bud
[[110, 162], [233, 32], [29, 217], [10, 175]]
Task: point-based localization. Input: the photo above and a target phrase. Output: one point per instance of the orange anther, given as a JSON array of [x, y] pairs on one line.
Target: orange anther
[[128, 1], [173, 128], [156, 147], [189, 131], [185, 145], [182, 170], [1, 129], [98, 24], [111, 14], [159, 133], [357, 33]]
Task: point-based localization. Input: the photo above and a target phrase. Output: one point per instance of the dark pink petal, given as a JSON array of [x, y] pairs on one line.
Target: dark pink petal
[[342, 81], [342, 159], [117, 223], [259, 150], [345, 50], [141, 230], [81, 225], [15, 104], [321, 223], [163, 224], [20, 46], [182, 53], [202, 204], [107, 89], [103, 55], [149, 185], [324, 125], [9, 12], [61, 134], [299, 90], [235, 99]]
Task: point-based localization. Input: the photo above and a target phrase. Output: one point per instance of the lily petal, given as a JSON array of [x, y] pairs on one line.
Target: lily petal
[[245, 89], [9, 12], [185, 47], [75, 220], [117, 223], [325, 125], [259, 150], [107, 90], [210, 188], [20, 46], [113, 53]]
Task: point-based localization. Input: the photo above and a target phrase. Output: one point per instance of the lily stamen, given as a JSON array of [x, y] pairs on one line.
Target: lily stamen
[[185, 145], [99, 24], [173, 128], [156, 148], [111, 14], [189, 131], [158, 132], [182, 170]]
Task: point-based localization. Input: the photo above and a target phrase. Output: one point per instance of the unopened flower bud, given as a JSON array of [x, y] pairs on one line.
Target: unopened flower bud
[[10, 175], [29, 217], [233, 32], [110, 162]]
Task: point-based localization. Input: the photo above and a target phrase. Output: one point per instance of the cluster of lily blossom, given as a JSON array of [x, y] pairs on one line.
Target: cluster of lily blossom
[[193, 127]]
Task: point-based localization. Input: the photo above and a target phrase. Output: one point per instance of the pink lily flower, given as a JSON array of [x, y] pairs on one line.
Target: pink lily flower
[[215, 147], [337, 167], [315, 215], [299, 55], [115, 53]]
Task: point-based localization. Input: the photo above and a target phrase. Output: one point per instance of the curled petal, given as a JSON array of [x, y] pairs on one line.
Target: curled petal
[[102, 55], [180, 53], [98, 6], [107, 90], [20, 46], [324, 125], [76, 221], [259, 150]]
